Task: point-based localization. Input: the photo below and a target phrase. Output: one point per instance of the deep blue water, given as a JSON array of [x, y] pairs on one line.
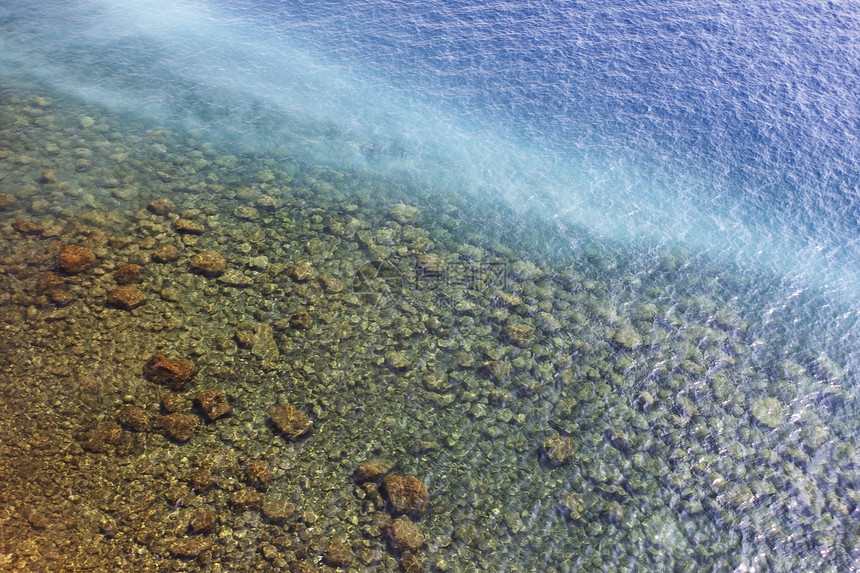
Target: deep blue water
[[729, 127]]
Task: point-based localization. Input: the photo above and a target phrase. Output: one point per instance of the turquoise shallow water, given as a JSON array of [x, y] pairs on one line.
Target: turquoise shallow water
[[666, 196]]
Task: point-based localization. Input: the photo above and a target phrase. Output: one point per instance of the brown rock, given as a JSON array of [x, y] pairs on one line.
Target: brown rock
[[210, 264], [126, 297], [50, 281], [301, 271], [258, 474], [132, 418], [178, 426], [213, 402], [247, 498], [75, 259], [290, 421], [165, 254], [371, 470], [201, 479], [7, 202], [202, 520], [301, 319], [128, 274], [60, 296], [26, 227], [278, 511], [337, 553], [300, 567], [406, 494], [174, 374], [188, 227], [404, 535], [161, 206], [189, 547], [101, 439]]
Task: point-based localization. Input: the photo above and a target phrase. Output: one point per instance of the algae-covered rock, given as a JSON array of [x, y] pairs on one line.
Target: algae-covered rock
[[572, 506], [405, 214], [521, 335], [768, 411], [526, 270], [627, 337], [301, 271], [558, 449]]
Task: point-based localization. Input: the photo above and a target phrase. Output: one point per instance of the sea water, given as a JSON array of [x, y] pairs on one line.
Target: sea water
[[625, 140]]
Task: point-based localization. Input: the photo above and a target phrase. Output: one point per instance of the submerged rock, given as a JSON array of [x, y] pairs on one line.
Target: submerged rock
[[161, 206], [258, 474], [190, 547], [405, 214], [573, 506], [8, 202], [166, 254], [404, 535], [235, 278], [290, 421], [174, 374], [371, 470], [132, 418], [210, 264], [768, 411], [301, 319], [128, 274], [214, 403], [188, 227], [558, 449], [407, 495], [74, 259], [202, 520], [337, 553], [278, 511], [101, 439], [180, 427], [126, 297], [301, 271], [627, 337], [521, 335], [26, 227]]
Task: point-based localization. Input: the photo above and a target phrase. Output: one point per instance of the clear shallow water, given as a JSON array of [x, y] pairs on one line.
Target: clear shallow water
[[613, 137]]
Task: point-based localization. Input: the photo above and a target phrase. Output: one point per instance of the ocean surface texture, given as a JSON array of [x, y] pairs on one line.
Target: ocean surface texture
[[442, 286]]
